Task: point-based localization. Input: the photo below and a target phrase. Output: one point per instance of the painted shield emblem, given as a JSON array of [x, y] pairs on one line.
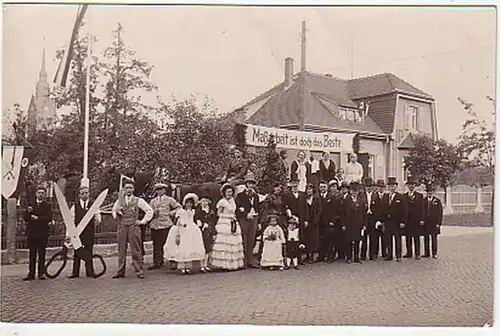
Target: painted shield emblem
[[12, 157]]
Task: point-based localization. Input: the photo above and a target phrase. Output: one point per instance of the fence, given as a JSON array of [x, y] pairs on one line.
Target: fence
[[464, 199]]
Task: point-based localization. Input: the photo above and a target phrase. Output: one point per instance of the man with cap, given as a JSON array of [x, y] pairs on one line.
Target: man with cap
[[353, 221], [294, 203], [247, 212], [433, 218], [415, 225], [164, 208], [395, 216], [78, 211], [126, 212], [369, 241]]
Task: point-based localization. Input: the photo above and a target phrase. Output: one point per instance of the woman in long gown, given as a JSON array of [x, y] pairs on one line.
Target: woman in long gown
[[184, 242], [227, 251]]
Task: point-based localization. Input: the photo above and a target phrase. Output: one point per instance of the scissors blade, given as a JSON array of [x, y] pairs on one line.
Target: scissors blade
[[92, 211], [65, 212]]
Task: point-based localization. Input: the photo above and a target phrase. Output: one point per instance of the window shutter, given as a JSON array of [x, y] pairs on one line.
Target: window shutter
[[407, 117]]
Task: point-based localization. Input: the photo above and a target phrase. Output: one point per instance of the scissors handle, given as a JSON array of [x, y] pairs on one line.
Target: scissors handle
[[61, 255], [101, 259]]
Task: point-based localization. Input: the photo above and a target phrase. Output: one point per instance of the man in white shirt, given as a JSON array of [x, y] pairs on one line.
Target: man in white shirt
[[126, 211], [78, 211], [353, 170], [164, 207]]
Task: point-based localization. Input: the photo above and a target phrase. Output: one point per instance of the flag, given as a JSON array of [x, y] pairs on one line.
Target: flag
[[14, 164], [62, 72]]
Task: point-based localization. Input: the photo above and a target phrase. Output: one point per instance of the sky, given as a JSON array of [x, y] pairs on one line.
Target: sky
[[232, 54]]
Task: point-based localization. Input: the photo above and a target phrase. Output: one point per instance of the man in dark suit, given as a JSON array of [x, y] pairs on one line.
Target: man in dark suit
[[415, 225], [369, 241], [353, 221], [327, 167], [379, 227], [294, 203], [395, 218], [247, 211], [324, 221], [433, 218], [78, 211], [340, 225], [37, 217]]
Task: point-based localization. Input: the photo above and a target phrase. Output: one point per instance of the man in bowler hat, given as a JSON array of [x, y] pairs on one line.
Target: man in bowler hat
[[433, 218], [415, 225]]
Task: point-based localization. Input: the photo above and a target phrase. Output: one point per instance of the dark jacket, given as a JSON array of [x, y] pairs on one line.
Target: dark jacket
[[293, 171], [415, 213], [433, 215], [38, 228], [327, 173], [374, 210], [395, 212], [295, 205], [243, 205], [353, 217], [88, 234]]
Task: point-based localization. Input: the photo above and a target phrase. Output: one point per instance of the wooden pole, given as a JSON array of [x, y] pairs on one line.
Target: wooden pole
[[302, 78], [11, 230]]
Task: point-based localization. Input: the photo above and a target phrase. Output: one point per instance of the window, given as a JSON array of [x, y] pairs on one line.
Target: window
[[371, 166], [404, 170], [411, 118], [342, 113]]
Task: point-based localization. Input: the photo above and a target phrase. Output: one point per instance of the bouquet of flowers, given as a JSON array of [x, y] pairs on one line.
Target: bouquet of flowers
[[233, 225]]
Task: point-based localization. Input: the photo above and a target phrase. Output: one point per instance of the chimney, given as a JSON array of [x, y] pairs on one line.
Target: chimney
[[288, 71]]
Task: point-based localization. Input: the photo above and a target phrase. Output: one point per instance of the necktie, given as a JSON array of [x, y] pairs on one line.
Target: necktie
[[391, 198], [429, 202]]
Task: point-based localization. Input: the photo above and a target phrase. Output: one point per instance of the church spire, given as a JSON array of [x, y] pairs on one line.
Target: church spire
[[43, 70]]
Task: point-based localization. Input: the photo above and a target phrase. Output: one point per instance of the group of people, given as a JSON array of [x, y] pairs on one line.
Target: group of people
[[305, 221]]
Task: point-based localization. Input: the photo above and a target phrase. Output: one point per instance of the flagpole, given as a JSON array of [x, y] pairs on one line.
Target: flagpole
[[85, 179]]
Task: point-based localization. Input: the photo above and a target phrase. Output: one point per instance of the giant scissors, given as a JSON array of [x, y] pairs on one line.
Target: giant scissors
[[73, 234]]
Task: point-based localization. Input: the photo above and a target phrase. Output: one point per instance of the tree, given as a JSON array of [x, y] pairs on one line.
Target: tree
[[433, 161], [477, 141], [274, 171]]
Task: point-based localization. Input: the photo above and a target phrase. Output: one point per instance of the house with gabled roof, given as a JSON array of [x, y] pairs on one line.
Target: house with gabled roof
[[383, 110]]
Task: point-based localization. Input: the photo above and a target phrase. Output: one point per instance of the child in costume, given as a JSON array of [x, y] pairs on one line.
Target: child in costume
[[274, 238], [293, 246], [205, 218]]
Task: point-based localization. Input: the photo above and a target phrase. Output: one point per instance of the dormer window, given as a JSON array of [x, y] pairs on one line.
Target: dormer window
[[350, 114], [411, 118]]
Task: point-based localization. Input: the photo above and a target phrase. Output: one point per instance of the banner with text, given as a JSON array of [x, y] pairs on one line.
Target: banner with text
[[291, 139]]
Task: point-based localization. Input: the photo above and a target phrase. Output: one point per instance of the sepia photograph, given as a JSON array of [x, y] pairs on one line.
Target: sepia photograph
[[248, 165]]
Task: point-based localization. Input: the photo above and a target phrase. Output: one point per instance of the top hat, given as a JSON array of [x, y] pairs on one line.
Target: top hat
[[368, 182], [381, 183], [429, 187], [344, 184], [294, 179], [392, 181], [354, 184], [226, 186], [311, 186], [190, 196], [410, 180]]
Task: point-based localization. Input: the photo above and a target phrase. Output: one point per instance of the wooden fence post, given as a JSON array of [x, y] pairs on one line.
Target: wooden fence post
[[479, 201], [448, 208], [11, 230]]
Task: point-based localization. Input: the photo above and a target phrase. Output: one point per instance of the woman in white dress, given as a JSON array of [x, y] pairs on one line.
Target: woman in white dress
[[227, 251], [274, 238], [185, 242], [301, 170]]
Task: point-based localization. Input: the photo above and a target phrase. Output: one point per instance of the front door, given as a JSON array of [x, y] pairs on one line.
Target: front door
[[364, 159]]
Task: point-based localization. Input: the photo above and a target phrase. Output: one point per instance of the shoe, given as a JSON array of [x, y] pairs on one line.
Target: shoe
[[188, 271], [281, 268], [28, 278], [72, 276], [407, 256], [435, 256], [363, 258], [118, 276], [183, 272], [140, 276], [388, 258], [42, 277], [208, 269], [358, 261], [94, 276], [398, 259], [372, 258], [287, 267], [152, 267], [348, 261], [203, 270], [417, 258], [296, 267], [426, 256]]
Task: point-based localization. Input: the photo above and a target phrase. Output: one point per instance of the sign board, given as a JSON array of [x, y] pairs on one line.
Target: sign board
[[300, 140], [13, 161]]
